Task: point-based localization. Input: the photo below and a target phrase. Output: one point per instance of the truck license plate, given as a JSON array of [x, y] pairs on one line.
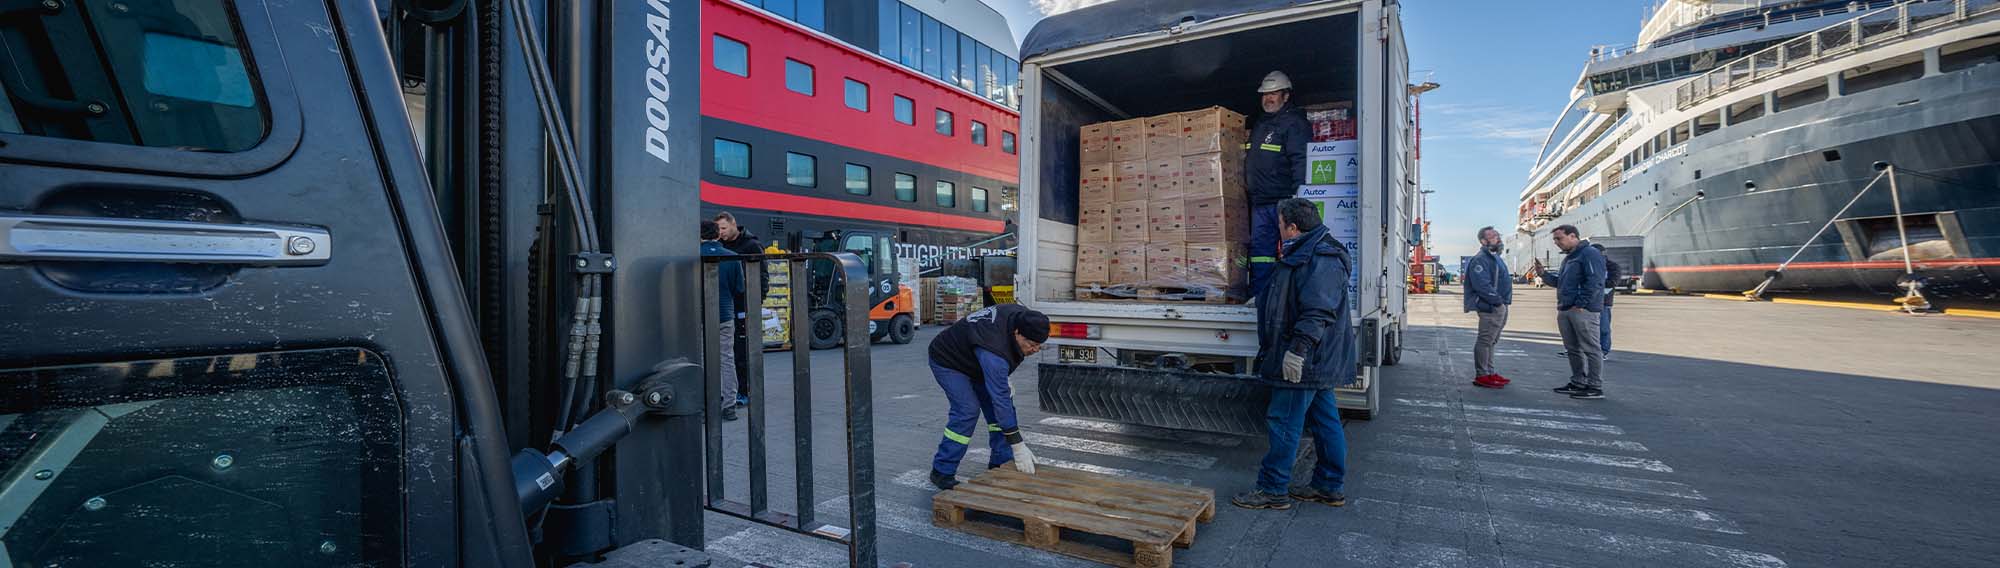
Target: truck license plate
[[1077, 354]]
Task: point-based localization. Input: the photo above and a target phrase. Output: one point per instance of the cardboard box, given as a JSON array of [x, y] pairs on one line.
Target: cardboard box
[[1331, 121], [1093, 225], [1212, 175], [1333, 162], [1219, 266], [1129, 222], [1128, 140], [1166, 220], [1213, 129], [1094, 185], [1166, 263], [1129, 181], [1216, 220], [1095, 143], [1128, 264], [1093, 264], [1163, 136], [1163, 177]]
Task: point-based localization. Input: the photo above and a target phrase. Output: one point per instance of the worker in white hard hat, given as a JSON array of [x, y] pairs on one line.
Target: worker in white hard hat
[[1274, 166]]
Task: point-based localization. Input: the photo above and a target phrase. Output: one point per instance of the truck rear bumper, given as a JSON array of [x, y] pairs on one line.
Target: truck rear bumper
[[1207, 402]]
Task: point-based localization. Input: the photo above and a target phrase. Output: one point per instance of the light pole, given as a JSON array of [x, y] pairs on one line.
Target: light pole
[[1422, 226]]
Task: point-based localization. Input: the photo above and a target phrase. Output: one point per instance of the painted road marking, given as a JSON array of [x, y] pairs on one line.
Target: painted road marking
[[767, 546], [916, 522], [1565, 501], [1660, 550], [1512, 421], [1114, 449], [1148, 432], [908, 396], [1542, 474], [981, 455], [1542, 412], [1445, 429], [1372, 551], [1625, 445], [1430, 443]]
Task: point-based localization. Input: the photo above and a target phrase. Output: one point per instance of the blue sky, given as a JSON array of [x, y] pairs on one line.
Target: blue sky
[[1506, 70]]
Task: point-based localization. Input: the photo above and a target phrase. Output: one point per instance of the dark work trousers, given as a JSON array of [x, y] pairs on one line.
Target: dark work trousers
[[1291, 411], [968, 399], [1263, 246], [743, 351]]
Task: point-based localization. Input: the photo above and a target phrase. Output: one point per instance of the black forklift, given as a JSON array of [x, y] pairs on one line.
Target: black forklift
[[373, 283], [892, 308]]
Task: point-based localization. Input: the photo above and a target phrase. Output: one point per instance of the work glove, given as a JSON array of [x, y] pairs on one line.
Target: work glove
[[1024, 459], [1295, 360]]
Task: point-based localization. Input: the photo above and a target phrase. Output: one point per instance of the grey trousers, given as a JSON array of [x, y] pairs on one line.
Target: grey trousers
[[1580, 338], [726, 335], [1490, 324]]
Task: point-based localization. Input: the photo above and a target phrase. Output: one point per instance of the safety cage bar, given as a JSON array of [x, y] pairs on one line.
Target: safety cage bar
[[858, 371]]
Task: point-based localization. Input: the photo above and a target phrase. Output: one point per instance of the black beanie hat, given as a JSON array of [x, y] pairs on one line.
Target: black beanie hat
[[1032, 325]]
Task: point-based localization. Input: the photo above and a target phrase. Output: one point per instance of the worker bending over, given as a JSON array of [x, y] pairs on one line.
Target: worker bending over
[[971, 361]]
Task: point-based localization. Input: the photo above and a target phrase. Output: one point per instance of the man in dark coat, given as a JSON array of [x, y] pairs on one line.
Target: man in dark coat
[[1579, 301], [739, 241], [1488, 291], [1305, 337], [971, 361], [1612, 273]]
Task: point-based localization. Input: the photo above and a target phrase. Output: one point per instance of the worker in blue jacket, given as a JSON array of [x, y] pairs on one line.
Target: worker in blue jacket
[[971, 361], [1579, 300], [1274, 166], [1306, 347], [1488, 291]]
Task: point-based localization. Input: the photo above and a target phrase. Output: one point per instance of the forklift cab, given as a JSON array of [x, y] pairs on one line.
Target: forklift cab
[[892, 313]]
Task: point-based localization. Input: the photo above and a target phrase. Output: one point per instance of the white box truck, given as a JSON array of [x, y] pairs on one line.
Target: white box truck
[[1183, 364]]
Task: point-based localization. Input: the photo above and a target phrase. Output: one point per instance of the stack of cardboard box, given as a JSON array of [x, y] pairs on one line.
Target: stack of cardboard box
[[1162, 203], [957, 297]]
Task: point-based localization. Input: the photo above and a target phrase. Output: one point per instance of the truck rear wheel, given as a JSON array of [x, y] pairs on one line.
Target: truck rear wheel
[[827, 329], [902, 329], [1392, 350]]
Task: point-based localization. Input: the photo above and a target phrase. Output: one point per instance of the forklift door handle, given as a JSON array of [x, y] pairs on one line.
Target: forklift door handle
[[33, 238]]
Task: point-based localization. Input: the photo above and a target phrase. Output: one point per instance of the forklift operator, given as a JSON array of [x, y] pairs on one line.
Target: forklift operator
[[971, 361]]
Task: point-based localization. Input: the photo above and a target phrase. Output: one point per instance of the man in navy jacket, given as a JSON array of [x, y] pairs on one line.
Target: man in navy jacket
[[1489, 291], [1306, 347], [1579, 300]]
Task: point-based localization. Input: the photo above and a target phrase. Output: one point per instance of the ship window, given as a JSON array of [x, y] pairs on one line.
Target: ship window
[[1707, 122], [886, 18], [857, 180], [801, 170], [983, 58], [967, 70], [788, 9], [933, 48], [857, 95], [978, 133], [906, 187], [1680, 134], [1661, 142], [1882, 74], [979, 200], [944, 122], [947, 194], [798, 77], [1969, 53], [1006, 141], [1746, 110], [1801, 95], [906, 110], [732, 57], [948, 52], [732, 158]]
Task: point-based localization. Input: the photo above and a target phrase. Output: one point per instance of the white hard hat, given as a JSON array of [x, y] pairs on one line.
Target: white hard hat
[[1276, 81]]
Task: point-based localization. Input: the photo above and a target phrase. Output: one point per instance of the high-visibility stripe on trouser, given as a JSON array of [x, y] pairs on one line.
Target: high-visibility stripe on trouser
[[968, 400], [1263, 241]]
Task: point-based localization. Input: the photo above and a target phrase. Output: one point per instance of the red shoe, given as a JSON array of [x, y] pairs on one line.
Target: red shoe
[[1488, 381], [1502, 380]]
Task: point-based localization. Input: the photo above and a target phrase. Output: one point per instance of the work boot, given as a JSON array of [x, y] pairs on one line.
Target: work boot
[[1258, 499], [1488, 381], [1562, 353], [729, 414], [1571, 388], [942, 481], [1588, 393], [1313, 494]]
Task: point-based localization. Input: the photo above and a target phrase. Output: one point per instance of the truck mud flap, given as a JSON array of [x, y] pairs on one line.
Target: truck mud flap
[[1205, 402]]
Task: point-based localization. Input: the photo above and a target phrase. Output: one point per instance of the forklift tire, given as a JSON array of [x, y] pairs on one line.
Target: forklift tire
[[1393, 352], [902, 329], [826, 332]]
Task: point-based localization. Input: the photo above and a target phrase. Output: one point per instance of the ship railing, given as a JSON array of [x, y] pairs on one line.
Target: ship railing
[[1605, 53], [1867, 30]]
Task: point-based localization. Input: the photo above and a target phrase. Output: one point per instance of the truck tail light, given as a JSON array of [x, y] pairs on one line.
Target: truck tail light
[[1075, 331]]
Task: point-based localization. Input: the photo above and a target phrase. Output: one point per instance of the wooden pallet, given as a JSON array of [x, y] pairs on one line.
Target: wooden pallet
[[1149, 294], [1054, 504]]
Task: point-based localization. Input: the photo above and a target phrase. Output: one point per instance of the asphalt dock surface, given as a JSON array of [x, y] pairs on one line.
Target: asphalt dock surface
[[1733, 434]]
